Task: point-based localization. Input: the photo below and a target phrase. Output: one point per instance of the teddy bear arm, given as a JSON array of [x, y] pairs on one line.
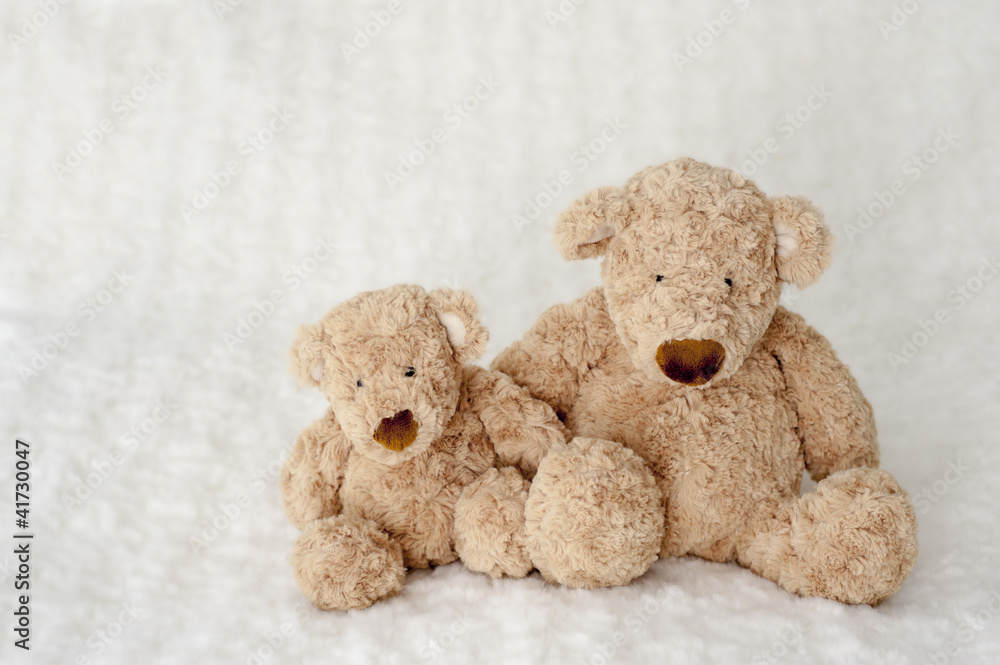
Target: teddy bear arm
[[489, 524], [312, 475], [835, 421], [558, 351], [521, 428]]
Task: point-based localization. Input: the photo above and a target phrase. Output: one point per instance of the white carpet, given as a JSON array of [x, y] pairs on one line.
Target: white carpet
[[171, 94]]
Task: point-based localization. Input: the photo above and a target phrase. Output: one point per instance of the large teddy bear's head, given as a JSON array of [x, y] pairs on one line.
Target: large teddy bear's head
[[390, 362], [694, 259]]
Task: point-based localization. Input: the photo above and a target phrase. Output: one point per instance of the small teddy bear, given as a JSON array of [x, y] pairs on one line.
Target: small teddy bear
[[422, 458], [684, 355]]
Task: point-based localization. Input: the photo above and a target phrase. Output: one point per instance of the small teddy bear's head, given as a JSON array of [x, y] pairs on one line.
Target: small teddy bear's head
[[390, 362], [694, 259]]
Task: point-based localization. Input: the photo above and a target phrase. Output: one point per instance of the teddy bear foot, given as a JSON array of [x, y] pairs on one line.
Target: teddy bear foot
[[489, 524], [594, 516], [345, 564], [852, 539]]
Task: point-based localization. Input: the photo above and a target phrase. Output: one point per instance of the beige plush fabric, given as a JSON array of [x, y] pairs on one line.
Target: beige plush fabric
[[490, 524], [684, 356], [334, 549], [375, 483], [595, 517], [423, 458]]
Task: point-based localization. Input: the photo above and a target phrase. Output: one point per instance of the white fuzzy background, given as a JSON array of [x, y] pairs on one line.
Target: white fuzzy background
[[220, 79]]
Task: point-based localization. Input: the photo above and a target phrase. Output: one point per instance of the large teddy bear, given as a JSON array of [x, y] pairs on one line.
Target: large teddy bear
[[684, 355], [423, 458]]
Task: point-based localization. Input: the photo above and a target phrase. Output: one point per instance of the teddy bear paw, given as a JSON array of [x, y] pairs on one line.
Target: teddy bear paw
[[594, 516], [489, 524], [855, 537], [343, 564]]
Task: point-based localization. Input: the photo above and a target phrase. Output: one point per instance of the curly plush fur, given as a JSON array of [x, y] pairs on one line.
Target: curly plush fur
[[602, 502], [685, 357], [421, 458]]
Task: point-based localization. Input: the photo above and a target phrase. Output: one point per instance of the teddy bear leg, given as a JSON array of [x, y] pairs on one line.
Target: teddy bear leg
[[852, 539], [489, 524], [594, 516], [343, 563]]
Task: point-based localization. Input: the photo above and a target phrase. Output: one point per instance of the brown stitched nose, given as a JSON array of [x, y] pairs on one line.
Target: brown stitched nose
[[398, 432], [692, 362]]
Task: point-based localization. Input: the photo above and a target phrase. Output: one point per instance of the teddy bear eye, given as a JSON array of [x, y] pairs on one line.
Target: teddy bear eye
[[729, 282], [659, 278], [361, 384], [410, 371]]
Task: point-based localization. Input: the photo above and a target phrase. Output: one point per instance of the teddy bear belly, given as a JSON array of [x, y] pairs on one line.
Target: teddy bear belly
[[421, 524], [415, 502], [717, 452]]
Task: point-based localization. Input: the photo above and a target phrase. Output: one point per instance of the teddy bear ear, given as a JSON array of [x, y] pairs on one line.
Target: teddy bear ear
[[457, 311], [585, 228], [805, 244], [306, 355]]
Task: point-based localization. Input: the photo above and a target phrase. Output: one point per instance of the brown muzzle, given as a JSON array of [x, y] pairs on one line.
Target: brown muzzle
[[398, 432], [692, 362]]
